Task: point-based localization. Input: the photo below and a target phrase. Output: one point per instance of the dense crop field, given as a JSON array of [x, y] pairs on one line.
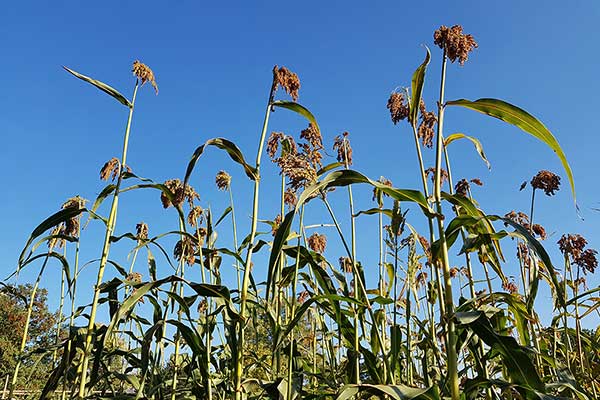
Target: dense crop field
[[436, 317]]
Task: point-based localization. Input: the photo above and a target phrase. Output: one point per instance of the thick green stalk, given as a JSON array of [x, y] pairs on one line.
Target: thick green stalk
[[452, 366], [239, 357], [110, 227], [356, 279]]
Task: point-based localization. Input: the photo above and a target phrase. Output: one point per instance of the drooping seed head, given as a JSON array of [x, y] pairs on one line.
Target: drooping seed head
[[443, 174], [384, 181], [518, 217], [317, 243], [539, 231], [298, 169], [456, 44], [141, 231], [425, 131], [71, 226], [313, 136], [287, 80], [588, 260], [144, 74], [547, 181], [276, 224], [398, 107], [195, 216], [223, 180], [462, 187], [185, 249], [273, 144], [346, 264], [510, 286], [290, 198], [179, 194], [110, 169], [572, 244], [341, 143]]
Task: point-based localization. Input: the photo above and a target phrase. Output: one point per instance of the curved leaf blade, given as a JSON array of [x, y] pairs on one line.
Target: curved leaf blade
[[234, 152], [102, 86], [475, 141], [418, 80], [522, 119]]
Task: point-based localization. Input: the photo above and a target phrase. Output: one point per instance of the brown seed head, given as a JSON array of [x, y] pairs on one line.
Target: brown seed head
[[223, 180], [384, 181], [185, 249], [298, 169], [179, 193], [443, 174], [518, 217], [141, 231], [57, 242], [426, 247], [510, 286], [287, 80], [539, 231], [144, 74], [195, 216], [289, 198], [273, 144], [313, 136], [587, 261], [523, 252], [547, 181], [317, 242], [421, 279], [110, 169], [398, 107], [462, 187], [453, 272], [303, 296], [341, 143], [276, 224], [455, 43], [477, 181], [572, 244], [135, 277], [71, 226], [428, 121], [202, 306], [346, 264]]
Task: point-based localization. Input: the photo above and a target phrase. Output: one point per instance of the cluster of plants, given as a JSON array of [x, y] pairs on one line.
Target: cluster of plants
[[411, 327]]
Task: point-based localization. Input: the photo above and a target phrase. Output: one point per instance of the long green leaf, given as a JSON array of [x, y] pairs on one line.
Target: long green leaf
[[102, 86], [396, 392], [298, 108], [475, 141], [418, 80], [523, 120], [221, 143]]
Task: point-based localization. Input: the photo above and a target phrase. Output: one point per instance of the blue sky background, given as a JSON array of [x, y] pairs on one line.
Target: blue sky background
[[213, 66]]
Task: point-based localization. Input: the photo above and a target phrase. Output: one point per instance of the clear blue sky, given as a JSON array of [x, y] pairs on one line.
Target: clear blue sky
[[213, 66]]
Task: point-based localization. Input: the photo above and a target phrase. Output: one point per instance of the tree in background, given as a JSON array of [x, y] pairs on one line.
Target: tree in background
[[13, 310]]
